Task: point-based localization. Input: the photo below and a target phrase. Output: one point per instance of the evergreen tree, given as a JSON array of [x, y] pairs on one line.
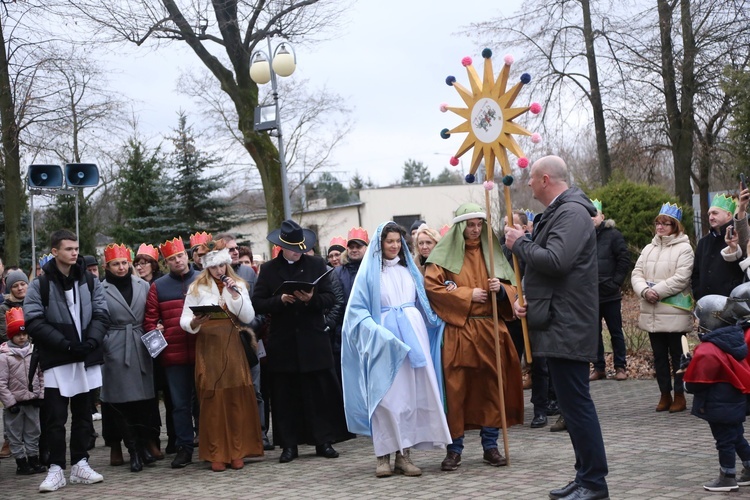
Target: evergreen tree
[[141, 197], [62, 215], [328, 187], [448, 176], [415, 174], [193, 203]]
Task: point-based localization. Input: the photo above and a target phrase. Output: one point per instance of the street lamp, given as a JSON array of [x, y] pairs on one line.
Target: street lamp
[[283, 63]]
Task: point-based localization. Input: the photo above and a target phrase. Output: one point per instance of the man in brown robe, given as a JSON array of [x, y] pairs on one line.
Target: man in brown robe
[[458, 286]]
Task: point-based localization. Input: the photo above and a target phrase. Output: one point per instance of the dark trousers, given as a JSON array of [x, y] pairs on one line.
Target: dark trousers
[[130, 422], [160, 384], [181, 380], [516, 335], [611, 313], [571, 381], [56, 410], [540, 386], [730, 440], [667, 346]]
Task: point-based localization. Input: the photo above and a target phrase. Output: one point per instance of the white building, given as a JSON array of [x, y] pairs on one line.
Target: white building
[[434, 204]]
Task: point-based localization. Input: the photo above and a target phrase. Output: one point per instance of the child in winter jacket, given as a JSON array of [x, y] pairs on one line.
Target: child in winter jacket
[[719, 378], [20, 398]]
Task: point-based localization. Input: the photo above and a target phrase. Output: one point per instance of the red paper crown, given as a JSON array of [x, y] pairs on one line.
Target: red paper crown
[[14, 321], [200, 238], [338, 240], [148, 250], [114, 251], [444, 230], [170, 248], [358, 233], [275, 251]]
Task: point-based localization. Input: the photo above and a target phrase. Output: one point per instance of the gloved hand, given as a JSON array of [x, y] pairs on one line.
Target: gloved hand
[[81, 350], [685, 360], [15, 409]]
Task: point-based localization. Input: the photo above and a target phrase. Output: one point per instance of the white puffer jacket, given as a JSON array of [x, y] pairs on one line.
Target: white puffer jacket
[[668, 263]]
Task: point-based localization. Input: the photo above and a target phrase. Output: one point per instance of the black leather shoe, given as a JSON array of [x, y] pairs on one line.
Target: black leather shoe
[[581, 493], [288, 454], [539, 420], [146, 457], [552, 408], [136, 465], [183, 458], [564, 491], [326, 450]]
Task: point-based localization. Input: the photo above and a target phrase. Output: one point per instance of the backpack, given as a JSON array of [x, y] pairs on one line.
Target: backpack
[[44, 287]]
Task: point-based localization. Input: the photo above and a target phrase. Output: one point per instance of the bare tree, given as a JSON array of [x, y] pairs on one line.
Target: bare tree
[[233, 27], [559, 38], [689, 44], [314, 123]]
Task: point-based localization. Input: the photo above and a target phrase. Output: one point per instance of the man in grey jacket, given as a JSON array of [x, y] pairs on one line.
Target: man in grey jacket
[[66, 314], [560, 287]]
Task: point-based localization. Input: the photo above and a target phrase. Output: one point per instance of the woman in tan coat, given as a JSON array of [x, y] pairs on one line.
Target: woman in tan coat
[[661, 279]]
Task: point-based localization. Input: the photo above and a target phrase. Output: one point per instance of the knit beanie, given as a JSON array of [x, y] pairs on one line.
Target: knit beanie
[[14, 277]]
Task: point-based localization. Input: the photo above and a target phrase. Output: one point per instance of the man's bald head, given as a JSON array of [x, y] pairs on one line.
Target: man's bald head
[[554, 167], [548, 178]]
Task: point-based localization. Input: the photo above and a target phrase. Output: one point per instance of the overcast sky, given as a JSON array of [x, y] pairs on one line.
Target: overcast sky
[[388, 63]]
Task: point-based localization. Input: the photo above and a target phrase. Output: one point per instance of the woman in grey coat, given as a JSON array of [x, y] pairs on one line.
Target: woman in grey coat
[[127, 376]]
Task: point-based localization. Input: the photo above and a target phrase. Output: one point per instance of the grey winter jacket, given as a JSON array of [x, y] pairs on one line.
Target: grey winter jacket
[[561, 280]]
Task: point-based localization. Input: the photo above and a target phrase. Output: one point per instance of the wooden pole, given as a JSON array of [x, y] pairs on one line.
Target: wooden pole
[[519, 286], [495, 321]]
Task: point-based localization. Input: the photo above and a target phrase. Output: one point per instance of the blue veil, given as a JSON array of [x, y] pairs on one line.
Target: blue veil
[[370, 354]]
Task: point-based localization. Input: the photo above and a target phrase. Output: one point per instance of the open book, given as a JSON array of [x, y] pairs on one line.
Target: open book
[[289, 287]]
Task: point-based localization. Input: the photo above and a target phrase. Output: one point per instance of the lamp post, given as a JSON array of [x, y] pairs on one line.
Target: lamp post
[[283, 64]]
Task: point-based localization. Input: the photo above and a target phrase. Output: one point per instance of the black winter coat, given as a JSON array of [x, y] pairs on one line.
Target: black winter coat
[[52, 328], [335, 315], [559, 282], [298, 341], [711, 273], [614, 261]]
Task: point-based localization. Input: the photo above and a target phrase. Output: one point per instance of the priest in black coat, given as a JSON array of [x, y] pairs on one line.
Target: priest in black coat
[[307, 404]]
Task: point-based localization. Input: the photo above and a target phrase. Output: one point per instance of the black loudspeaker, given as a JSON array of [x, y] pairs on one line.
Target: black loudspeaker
[[45, 176], [81, 175]]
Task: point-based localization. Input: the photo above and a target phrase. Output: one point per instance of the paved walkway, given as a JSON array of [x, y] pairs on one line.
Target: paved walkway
[[651, 456]]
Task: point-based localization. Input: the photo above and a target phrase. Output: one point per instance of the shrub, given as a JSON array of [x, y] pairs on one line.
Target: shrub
[[634, 206]]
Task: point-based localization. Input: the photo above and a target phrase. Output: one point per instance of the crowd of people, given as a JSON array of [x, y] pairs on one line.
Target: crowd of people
[[411, 338]]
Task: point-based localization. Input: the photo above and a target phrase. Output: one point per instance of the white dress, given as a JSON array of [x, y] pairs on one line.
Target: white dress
[[410, 415]]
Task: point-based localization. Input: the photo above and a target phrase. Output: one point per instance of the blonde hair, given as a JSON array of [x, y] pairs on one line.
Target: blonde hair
[[205, 278], [424, 229]]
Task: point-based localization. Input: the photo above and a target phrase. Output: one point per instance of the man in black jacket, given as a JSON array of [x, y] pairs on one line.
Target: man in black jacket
[[66, 314], [308, 406], [614, 261], [561, 308], [711, 273]]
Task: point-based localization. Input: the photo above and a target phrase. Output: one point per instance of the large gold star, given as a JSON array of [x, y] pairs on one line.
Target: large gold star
[[489, 115]]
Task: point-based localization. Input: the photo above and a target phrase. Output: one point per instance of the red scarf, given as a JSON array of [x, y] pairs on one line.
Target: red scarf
[[711, 365]]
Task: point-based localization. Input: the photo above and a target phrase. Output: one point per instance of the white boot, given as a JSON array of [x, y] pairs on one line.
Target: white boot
[[404, 464], [384, 466]]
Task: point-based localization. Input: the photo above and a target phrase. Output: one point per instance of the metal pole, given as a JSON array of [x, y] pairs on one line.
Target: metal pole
[[33, 238], [282, 160], [77, 236]]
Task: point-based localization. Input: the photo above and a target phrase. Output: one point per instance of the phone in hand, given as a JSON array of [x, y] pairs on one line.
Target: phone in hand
[[743, 181], [730, 232]]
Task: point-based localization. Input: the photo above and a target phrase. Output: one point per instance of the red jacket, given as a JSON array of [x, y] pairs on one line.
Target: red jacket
[[164, 305]]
